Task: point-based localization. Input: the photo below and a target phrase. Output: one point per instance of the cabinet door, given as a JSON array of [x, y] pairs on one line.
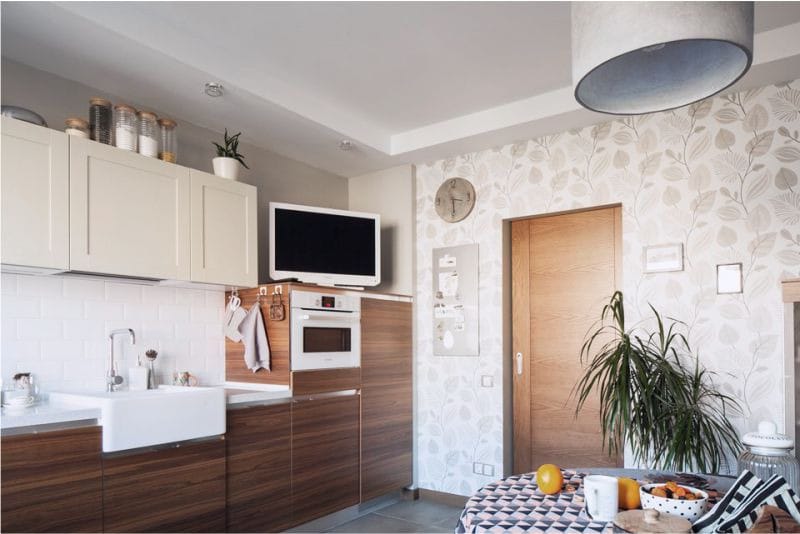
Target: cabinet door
[[224, 231], [173, 489], [35, 199], [129, 214], [386, 397], [259, 460], [52, 481], [324, 456]]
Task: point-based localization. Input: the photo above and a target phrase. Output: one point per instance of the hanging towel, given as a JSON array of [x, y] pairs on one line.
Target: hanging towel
[[254, 337], [230, 325]]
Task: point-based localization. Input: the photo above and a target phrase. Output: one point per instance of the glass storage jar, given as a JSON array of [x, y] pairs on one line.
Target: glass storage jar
[[77, 127], [125, 131], [168, 149], [768, 453], [148, 134], [100, 120]]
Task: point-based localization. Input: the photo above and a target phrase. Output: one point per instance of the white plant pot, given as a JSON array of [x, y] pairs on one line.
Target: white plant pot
[[226, 167]]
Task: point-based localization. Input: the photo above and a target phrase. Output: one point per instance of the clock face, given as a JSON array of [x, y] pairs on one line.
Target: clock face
[[455, 199]]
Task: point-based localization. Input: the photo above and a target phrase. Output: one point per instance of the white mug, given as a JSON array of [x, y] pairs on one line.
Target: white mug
[[602, 495]]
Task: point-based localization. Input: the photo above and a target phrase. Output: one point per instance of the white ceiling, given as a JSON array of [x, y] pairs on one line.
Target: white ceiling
[[405, 81]]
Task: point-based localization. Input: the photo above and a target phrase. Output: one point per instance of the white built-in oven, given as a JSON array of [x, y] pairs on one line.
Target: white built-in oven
[[326, 331]]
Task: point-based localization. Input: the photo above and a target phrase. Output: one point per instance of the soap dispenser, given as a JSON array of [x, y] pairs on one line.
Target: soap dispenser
[[138, 376]]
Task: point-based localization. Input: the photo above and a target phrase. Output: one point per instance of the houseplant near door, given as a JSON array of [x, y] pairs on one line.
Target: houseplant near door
[[655, 397], [226, 164]]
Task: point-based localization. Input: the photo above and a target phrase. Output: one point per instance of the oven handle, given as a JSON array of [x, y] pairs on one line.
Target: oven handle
[[312, 315]]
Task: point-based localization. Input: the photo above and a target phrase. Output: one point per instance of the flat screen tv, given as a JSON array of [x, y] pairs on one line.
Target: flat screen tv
[[324, 246]]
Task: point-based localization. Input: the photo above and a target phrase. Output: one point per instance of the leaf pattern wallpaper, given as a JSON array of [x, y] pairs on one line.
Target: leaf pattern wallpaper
[[719, 176]]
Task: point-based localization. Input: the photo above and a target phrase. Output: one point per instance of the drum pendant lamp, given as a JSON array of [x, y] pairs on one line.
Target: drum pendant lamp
[[631, 58]]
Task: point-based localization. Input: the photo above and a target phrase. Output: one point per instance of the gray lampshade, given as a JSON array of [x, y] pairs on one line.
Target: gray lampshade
[[641, 57]]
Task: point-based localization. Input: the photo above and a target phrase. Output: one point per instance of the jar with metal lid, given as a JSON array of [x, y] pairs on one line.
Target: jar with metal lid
[[100, 120], [168, 148], [768, 453], [148, 134], [77, 127], [125, 129]]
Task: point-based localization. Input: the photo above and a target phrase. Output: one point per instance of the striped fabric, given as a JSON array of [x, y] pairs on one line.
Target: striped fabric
[[744, 485], [775, 492]]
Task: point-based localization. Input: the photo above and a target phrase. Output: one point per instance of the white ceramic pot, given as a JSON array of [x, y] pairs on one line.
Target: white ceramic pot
[[226, 167]]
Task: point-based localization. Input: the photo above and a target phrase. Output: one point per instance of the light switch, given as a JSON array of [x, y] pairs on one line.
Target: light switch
[[487, 381]]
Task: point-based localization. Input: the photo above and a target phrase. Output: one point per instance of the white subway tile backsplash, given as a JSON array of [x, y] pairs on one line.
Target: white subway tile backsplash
[[39, 286], [104, 311], [57, 328], [123, 292], [39, 329], [60, 308]]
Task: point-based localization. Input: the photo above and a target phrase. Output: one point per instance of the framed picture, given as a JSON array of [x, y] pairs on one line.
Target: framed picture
[[663, 258], [729, 278]]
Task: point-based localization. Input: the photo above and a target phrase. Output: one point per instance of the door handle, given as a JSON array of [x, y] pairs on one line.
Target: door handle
[[518, 358]]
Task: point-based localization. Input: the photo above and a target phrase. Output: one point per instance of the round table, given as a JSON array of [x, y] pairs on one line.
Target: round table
[[514, 504]]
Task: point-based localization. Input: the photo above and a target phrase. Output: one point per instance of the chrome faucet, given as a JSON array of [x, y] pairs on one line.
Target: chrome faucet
[[112, 378]]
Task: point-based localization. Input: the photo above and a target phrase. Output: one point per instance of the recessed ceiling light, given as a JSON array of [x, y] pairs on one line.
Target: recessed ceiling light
[[214, 89], [346, 144]]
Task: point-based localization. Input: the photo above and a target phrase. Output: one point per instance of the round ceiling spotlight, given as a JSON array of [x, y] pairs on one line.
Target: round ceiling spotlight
[[346, 144], [214, 89], [641, 57]]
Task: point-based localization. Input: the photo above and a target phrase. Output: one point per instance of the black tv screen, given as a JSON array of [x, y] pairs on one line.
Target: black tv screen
[[323, 243]]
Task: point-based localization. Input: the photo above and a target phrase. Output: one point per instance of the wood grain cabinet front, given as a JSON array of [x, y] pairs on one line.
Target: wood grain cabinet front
[[259, 460], [52, 481], [171, 489], [325, 456]]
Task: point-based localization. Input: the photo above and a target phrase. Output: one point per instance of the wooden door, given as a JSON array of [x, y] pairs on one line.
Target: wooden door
[[52, 481], [179, 488], [325, 456], [386, 397], [129, 214], [35, 199], [564, 270], [224, 231], [259, 464]]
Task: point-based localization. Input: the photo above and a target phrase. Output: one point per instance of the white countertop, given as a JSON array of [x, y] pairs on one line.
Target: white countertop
[[44, 413]]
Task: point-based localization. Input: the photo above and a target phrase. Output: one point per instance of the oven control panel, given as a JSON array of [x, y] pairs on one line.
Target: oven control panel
[[321, 301]]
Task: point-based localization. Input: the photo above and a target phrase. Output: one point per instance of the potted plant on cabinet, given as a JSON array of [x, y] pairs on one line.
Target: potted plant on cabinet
[[654, 398], [228, 159]]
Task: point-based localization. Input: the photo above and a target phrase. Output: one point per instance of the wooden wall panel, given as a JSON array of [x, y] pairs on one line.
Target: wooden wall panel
[[521, 344], [175, 489], [386, 397], [259, 461], [52, 481]]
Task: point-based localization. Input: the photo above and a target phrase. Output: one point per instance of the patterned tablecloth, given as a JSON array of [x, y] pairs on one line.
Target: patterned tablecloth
[[514, 504]]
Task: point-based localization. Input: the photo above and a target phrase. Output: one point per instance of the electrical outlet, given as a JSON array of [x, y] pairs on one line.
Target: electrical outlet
[[488, 470], [477, 468], [487, 381]]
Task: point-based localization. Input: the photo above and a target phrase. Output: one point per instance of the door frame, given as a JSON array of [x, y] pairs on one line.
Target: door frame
[[509, 388]]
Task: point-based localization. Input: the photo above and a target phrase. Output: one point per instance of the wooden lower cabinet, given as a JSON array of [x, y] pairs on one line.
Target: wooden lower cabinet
[[259, 460], [52, 481], [325, 456], [173, 489]]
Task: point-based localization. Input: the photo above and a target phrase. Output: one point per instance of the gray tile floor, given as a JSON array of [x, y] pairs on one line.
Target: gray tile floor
[[406, 516]]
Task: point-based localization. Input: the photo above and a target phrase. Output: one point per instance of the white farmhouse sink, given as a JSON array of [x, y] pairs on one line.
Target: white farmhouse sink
[[134, 419]]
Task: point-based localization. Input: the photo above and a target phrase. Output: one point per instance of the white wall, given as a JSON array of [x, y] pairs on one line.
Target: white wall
[[390, 193], [720, 177], [277, 178], [57, 328]]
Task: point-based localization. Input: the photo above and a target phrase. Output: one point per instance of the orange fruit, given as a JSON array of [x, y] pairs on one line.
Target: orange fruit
[[549, 479], [629, 494]]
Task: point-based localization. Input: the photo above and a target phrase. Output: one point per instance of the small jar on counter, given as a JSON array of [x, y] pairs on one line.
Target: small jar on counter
[[148, 134], [77, 127], [125, 130], [168, 149], [100, 120]]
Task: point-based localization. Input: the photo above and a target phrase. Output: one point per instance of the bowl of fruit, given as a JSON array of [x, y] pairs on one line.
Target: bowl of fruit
[[675, 500]]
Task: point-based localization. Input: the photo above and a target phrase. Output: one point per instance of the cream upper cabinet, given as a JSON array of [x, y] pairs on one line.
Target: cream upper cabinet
[[129, 214], [35, 196], [224, 231]]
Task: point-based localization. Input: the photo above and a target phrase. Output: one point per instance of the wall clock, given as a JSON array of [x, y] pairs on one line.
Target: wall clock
[[455, 199]]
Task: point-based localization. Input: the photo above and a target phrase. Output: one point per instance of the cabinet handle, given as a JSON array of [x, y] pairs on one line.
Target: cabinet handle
[[519, 363]]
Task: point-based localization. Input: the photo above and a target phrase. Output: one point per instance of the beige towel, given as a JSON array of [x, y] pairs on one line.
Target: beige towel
[[254, 337]]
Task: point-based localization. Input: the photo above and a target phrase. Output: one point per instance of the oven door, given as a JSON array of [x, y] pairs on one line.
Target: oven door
[[325, 339]]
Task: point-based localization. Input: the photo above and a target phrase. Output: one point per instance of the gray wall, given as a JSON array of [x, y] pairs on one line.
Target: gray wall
[[278, 179]]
